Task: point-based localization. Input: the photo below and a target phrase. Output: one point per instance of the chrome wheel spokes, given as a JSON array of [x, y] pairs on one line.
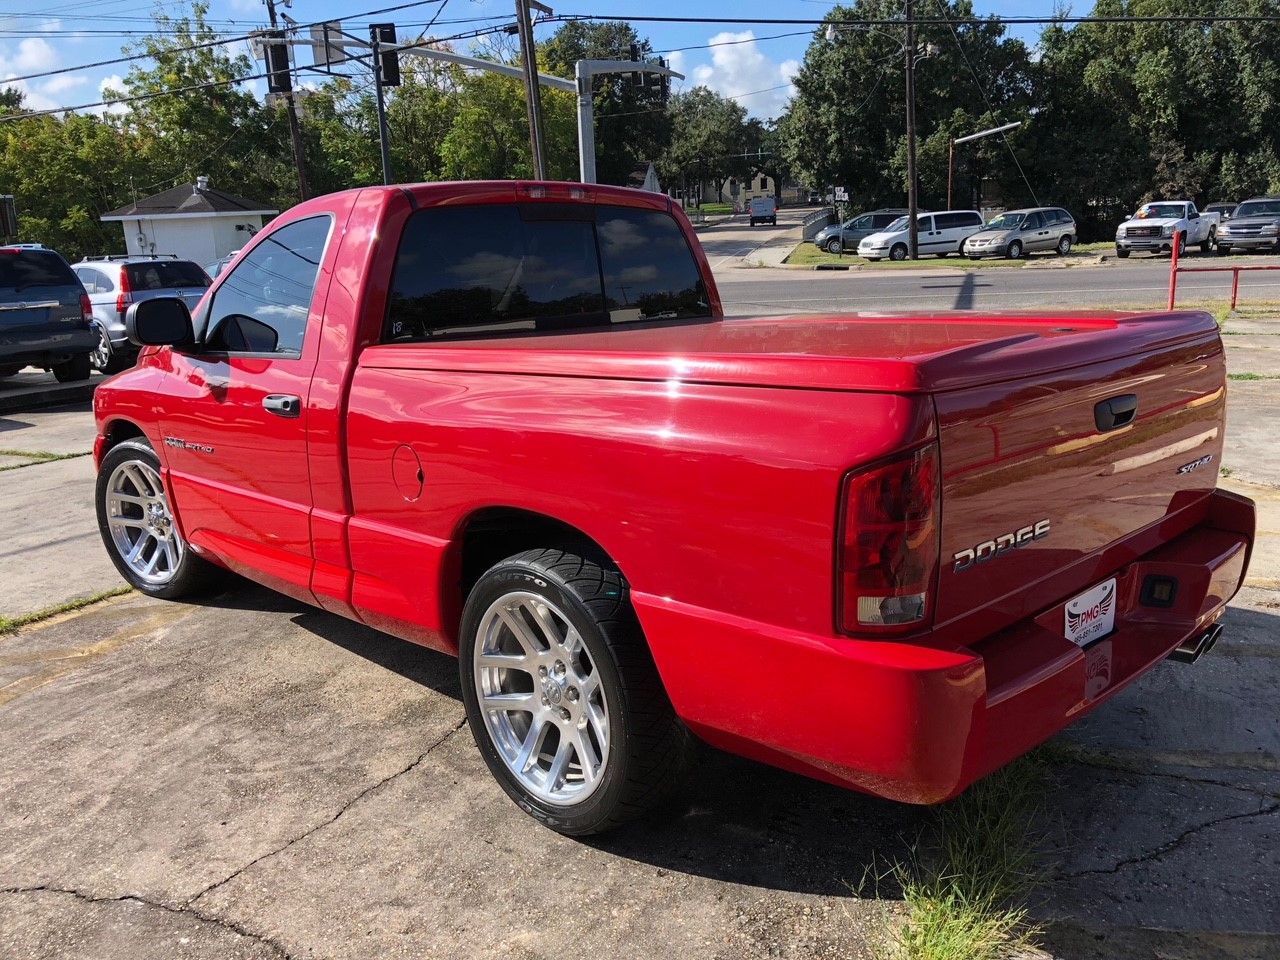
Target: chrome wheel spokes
[[141, 525], [543, 704]]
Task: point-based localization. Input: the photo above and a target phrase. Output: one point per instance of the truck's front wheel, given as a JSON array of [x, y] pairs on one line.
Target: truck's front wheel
[[138, 526], [562, 695]]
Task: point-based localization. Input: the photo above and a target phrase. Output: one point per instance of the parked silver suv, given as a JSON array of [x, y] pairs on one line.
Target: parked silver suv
[[115, 282], [44, 314]]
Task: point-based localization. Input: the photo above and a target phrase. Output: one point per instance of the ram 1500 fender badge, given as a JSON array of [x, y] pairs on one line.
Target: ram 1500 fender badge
[[1000, 545], [1188, 467], [186, 445]]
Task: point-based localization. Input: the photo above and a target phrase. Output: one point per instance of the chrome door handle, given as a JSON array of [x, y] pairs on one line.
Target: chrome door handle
[[282, 405]]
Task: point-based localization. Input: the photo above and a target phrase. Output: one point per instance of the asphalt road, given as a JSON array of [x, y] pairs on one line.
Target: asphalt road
[[736, 249]]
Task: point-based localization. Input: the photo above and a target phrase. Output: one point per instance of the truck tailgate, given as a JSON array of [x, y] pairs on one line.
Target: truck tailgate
[[1042, 473]]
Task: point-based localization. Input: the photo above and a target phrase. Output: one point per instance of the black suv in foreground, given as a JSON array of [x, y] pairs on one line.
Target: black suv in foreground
[[45, 314]]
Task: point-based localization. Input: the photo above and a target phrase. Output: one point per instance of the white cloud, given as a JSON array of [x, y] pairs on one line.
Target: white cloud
[[113, 82], [34, 55], [741, 71], [62, 83]]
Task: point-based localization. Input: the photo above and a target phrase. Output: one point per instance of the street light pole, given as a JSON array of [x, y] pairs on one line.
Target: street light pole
[[951, 153], [913, 230]]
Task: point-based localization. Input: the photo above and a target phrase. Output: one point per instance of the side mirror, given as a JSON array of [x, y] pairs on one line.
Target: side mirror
[[161, 321], [1195, 215]]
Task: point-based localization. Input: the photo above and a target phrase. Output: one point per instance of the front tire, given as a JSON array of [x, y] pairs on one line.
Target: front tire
[[1223, 250], [1014, 250], [899, 252], [1122, 253], [77, 368], [835, 245], [138, 526], [562, 695]]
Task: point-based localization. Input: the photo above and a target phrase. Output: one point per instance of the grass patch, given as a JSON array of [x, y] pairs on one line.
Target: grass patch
[[1252, 376], [807, 255], [10, 624], [1225, 472], [967, 889], [36, 457]]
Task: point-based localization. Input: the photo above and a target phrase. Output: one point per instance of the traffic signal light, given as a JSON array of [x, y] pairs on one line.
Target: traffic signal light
[[637, 78], [279, 80], [389, 61]]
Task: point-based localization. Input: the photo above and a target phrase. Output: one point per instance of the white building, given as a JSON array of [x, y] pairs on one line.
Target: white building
[[193, 221]]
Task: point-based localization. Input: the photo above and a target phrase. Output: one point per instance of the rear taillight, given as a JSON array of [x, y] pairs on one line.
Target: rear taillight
[[86, 306], [125, 297], [888, 558]]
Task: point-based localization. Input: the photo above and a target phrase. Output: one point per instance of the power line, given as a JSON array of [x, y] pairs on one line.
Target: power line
[[210, 85], [927, 21], [199, 46], [982, 90]]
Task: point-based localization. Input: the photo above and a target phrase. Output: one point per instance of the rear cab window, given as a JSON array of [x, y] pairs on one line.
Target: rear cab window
[[532, 267]]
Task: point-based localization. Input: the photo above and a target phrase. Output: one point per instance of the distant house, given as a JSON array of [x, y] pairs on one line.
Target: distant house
[[643, 176], [193, 221]]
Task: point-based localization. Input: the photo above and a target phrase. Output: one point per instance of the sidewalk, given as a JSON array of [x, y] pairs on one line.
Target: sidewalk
[[34, 388]]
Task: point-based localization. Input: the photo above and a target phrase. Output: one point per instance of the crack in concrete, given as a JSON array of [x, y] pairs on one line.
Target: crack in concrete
[[1172, 845], [185, 910], [334, 819], [1104, 763], [189, 909]]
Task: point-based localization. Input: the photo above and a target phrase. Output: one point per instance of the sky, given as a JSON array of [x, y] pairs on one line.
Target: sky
[[750, 62]]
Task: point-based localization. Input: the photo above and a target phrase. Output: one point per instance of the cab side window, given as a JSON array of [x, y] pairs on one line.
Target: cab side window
[[263, 304]]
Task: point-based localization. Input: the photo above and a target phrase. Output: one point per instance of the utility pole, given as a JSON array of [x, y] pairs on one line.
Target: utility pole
[[913, 230], [384, 136], [533, 93], [295, 130]]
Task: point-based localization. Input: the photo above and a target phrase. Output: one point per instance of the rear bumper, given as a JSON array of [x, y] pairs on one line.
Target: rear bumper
[[43, 352], [918, 725]]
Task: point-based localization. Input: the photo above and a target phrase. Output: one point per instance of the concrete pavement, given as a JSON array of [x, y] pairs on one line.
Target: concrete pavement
[[250, 777]]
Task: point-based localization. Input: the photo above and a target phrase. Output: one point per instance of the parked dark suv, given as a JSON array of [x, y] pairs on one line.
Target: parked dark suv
[[45, 315], [115, 282]]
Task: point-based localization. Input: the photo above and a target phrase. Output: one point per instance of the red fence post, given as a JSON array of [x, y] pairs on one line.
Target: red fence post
[[1235, 285], [1173, 268]]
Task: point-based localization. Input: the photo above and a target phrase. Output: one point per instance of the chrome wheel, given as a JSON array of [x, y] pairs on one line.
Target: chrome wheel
[[101, 355], [541, 699], [140, 523]]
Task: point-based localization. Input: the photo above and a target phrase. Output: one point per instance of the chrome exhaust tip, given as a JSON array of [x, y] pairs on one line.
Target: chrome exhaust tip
[[1193, 648]]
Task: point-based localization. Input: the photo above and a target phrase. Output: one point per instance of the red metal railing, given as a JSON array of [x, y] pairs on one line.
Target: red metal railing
[[1235, 270]]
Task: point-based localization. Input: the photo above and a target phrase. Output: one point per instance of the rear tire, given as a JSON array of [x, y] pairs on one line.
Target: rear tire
[[104, 358], [1064, 246], [1210, 241], [77, 368], [562, 695], [139, 530]]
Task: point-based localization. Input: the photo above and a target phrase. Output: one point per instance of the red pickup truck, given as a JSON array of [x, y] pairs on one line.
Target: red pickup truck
[[510, 421]]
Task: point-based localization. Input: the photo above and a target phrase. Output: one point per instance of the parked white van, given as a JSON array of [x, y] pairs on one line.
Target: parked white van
[[937, 233]]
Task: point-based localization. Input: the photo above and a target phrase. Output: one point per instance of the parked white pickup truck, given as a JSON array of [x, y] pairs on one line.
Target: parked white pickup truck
[[1154, 226]]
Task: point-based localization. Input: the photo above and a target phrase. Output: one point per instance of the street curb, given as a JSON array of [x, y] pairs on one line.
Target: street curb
[[33, 398]]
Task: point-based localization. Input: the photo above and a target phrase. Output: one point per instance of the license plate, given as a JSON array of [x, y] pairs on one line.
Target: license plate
[[1092, 614]]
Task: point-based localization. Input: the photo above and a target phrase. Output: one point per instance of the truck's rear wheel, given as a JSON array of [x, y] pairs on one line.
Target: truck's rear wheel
[[1210, 241], [562, 696], [137, 526]]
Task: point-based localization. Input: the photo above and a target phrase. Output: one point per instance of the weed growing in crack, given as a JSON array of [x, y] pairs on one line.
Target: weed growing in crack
[[968, 884]]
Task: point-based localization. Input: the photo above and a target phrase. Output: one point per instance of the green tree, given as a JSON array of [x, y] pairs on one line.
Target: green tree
[[632, 124], [64, 173], [847, 122], [219, 128], [708, 140]]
